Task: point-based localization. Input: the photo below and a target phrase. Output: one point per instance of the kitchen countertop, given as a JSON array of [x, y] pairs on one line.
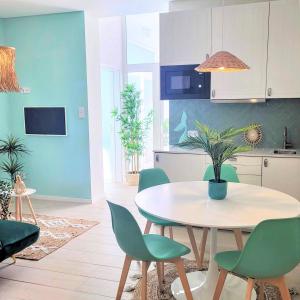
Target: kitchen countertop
[[260, 152]]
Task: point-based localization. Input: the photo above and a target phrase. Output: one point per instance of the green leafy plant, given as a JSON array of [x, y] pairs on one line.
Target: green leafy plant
[[219, 145], [5, 195], [133, 128], [13, 149]]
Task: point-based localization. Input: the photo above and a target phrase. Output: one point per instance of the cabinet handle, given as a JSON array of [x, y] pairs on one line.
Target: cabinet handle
[[266, 163], [269, 92], [157, 158], [213, 93]]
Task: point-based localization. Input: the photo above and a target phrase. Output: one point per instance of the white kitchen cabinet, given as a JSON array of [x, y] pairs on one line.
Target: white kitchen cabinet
[[185, 37], [245, 34], [283, 79], [180, 166], [282, 174]]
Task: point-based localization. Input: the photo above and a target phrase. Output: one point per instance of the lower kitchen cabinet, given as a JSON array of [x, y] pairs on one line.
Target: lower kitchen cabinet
[[282, 174], [181, 166]]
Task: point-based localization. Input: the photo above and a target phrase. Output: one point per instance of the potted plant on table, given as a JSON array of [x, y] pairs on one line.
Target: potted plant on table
[[220, 146], [133, 130]]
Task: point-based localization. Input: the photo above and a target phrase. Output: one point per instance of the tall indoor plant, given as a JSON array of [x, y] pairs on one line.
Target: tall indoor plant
[[220, 146], [133, 129]]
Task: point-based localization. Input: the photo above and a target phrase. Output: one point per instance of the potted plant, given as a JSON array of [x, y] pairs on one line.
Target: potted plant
[[133, 129], [5, 195], [220, 146], [12, 148]]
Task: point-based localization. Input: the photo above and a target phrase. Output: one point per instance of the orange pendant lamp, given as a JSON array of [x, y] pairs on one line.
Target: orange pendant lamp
[[8, 77], [222, 61]]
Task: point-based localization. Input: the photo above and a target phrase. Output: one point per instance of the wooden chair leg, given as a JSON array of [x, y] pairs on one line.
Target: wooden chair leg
[[145, 266], [261, 292], [203, 245], [13, 257], [20, 209], [184, 281], [31, 209], [250, 287], [284, 291], [220, 284], [194, 245], [171, 232], [159, 275], [124, 275], [148, 227], [17, 210], [162, 230], [239, 238]]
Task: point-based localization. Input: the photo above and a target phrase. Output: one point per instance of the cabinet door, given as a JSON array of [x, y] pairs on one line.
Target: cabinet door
[[283, 79], [180, 167], [245, 34], [185, 37], [282, 174]]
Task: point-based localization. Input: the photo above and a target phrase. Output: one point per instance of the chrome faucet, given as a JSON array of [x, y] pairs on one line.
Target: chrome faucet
[[286, 144]]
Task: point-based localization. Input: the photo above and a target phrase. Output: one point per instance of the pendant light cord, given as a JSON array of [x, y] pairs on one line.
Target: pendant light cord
[[222, 45]]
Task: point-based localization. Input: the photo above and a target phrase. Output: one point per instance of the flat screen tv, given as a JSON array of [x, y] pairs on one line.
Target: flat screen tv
[[45, 120]]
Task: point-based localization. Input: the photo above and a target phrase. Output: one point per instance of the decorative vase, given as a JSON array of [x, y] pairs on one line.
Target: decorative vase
[[217, 190]]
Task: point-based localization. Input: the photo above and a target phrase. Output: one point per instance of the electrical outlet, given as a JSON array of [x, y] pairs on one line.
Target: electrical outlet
[[81, 112], [25, 90], [192, 133]]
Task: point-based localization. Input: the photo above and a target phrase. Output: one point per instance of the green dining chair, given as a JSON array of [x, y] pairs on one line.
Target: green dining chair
[[228, 173], [272, 250], [153, 177], [146, 248]]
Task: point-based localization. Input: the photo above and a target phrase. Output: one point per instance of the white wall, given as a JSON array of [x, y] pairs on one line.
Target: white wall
[[94, 104]]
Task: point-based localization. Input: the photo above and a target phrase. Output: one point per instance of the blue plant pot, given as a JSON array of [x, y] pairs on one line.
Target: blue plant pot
[[217, 190]]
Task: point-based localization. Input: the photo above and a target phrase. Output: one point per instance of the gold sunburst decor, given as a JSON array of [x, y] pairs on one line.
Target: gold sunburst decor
[[254, 136], [8, 77]]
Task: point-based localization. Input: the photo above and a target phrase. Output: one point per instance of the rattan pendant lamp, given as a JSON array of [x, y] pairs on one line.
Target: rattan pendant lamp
[[222, 61], [8, 77]]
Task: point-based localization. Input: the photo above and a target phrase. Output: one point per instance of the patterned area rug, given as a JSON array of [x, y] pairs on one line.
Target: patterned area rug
[[271, 292], [55, 232]]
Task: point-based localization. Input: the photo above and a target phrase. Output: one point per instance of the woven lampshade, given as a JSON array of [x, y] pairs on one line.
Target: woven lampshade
[[8, 77], [222, 61]]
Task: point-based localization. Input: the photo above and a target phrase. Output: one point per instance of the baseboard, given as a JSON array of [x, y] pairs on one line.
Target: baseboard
[[61, 199]]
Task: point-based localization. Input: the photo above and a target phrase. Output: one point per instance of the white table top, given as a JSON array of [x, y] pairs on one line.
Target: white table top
[[27, 193], [188, 203]]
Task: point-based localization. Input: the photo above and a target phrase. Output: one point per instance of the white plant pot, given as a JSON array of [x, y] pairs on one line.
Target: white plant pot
[[132, 179]]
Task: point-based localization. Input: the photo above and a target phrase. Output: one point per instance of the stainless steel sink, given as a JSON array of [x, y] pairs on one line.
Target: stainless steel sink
[[285, 151]]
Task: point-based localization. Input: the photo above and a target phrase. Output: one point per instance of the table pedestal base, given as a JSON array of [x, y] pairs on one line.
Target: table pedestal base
[[234, 288]]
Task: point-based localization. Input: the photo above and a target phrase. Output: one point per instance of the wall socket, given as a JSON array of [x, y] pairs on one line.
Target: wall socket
[[25, 90], [81, 112]]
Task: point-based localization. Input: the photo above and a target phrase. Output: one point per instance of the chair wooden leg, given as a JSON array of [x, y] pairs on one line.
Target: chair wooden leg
[[162, 230], [31, 209], [194, 245], [239, 238], [261, 292], [13, 257], [145, 266], [220, 284], [184, 281], [284, 291], [159, 275], [250, 287], [124, 275], [203, 245], [148, 227], [171, 232]]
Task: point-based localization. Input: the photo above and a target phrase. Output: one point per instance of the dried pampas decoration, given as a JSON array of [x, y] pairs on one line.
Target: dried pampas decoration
[[8, 77]]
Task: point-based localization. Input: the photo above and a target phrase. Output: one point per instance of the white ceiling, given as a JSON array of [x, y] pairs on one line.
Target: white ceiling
[[17, 8]]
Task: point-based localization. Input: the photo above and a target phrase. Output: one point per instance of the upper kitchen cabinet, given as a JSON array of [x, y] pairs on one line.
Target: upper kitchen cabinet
[[185, 37], [245, 34], [283, 79]]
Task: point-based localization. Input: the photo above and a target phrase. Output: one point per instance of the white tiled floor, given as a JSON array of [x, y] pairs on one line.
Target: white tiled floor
[[88, 267]]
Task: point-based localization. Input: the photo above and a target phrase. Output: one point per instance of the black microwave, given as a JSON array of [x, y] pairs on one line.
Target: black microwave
[[183, 82]]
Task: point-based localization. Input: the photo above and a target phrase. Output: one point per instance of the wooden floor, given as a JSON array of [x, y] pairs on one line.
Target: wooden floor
[[88, 267]]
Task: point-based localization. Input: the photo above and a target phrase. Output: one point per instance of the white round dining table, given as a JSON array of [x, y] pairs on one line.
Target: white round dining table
[[188, 203]]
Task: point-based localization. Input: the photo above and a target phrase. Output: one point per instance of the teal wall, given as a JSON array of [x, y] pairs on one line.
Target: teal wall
[[272, 115], [4, 102], [50, 52]]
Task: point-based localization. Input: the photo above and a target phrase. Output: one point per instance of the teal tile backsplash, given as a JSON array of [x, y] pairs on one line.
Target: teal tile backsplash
[[272, 115]]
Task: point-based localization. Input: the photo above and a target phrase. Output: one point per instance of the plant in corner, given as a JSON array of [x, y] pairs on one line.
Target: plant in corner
[[133, 129], [220, 146]]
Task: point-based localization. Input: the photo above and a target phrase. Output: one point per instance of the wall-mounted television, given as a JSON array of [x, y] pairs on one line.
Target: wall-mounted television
[[45, 120]]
